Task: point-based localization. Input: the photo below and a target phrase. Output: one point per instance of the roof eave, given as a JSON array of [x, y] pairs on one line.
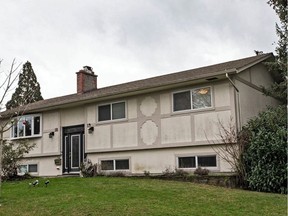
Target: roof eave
[[265, 57]]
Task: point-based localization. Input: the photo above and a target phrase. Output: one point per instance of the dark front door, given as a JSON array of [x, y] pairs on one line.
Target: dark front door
[[73, 148]]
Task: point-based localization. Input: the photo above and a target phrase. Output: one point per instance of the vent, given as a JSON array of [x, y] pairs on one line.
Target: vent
[[212, 78]]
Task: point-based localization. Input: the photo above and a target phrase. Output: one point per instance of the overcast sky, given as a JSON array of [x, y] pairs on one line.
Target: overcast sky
[[125, 40]]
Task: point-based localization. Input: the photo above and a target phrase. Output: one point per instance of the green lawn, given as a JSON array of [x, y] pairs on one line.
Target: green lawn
[[132, 196]]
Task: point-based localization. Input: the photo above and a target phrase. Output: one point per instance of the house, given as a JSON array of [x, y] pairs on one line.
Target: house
[[154, 124]]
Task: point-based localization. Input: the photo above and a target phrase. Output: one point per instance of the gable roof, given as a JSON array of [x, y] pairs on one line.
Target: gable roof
[[150, 84]]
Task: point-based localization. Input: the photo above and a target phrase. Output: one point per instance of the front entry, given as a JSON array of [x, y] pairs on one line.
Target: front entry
[[73, 148]]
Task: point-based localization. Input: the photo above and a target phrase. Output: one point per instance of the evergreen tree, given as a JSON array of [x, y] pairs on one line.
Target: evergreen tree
[[278, 68], [28, 90]]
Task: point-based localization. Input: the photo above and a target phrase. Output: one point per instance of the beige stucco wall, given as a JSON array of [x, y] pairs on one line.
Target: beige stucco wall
[[176, 129], [151, 123], [51, 123], [158, 160], [124, 135], [154, 161], [46, 166], [45, 145], [149, 131], [73, 116], [251, 99], [208, 125]]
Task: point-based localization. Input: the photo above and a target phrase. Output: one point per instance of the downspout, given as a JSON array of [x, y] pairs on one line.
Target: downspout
[[237, 104], [232, 82]]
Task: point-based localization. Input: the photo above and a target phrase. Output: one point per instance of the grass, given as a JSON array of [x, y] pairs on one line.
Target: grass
[[131, 196]]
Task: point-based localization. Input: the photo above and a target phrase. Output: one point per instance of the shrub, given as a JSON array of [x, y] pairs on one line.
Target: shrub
[[88, 169], [146, 173], [201, 172], [116, 174], [265, 157], [168, 172], [12, 154], [174, 173], [181, 173]]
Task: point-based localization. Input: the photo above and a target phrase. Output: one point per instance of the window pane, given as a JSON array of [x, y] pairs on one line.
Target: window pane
[[27, 123], [122, 164], [32, 168], [182, 101], [21, 127], [207, 161], [118, 110], [23, 169], [107, 165], [75, 150], [201, 98], [104, 113], [186, 162], [15, 129], [26, 126], [36, 125], [66, 160]]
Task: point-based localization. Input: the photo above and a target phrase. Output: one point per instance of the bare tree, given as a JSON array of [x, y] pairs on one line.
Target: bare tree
[[14, 150], [6, 85], [231, 148]]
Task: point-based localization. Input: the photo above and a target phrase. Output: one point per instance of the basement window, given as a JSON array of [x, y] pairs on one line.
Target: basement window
[[28, 168], [113, 165], [187, 162], [111, 111], [198, 98], [27, 126], [205, 161]]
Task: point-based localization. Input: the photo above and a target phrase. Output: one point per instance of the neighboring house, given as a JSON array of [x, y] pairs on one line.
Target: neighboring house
[[154, 124]]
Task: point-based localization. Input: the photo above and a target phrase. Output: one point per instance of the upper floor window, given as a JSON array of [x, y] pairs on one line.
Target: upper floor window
[[111, 111], [26, 126], [198, 98]]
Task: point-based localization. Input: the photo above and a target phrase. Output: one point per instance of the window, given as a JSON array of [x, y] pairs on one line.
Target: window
[[187, 162], [122, 164], [207, 161], [119, 164], [201, 98], [26, 126], [182, 101], [195, 99], [197, 161], [112, 111], [28, 168]]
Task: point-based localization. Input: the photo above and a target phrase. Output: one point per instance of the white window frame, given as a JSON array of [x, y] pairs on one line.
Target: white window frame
[[17, 121], [196, 161], [114, 164], [111, 112], [27, 168], [191, 100]]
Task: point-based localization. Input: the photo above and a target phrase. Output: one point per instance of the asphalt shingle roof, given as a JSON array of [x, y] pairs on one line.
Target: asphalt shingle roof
[[168, 79]]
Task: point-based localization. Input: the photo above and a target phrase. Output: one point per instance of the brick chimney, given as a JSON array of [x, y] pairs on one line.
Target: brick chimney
[[86, 80]]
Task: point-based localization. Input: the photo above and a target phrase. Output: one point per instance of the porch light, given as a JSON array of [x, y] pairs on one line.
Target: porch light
[[90, 128], [51, 134]]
